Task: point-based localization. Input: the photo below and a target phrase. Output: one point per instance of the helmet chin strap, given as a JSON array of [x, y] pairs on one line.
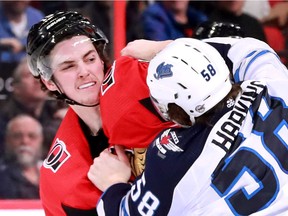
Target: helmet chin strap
[[63, 96]]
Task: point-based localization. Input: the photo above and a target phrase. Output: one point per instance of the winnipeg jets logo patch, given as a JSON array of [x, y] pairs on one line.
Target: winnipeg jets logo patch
[[58, 155], [168, 142], [163, 71]]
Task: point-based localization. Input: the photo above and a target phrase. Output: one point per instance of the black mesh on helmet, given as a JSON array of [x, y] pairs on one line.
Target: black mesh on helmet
[[54, 28]]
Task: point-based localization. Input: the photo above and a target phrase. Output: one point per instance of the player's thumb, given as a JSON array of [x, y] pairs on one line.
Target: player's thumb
[[120, 151]]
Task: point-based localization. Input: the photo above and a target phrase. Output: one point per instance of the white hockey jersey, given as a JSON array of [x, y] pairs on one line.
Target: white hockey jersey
[[239, 166]]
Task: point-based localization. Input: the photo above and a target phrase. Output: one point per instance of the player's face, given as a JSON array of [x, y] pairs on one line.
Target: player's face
[[78, 69]]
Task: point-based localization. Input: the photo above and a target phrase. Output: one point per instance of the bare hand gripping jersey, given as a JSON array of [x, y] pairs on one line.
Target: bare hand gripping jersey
[[238, 166]]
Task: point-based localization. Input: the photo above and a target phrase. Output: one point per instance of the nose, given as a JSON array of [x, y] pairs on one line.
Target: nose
[[21, 139], [25, 140], [83, 70]]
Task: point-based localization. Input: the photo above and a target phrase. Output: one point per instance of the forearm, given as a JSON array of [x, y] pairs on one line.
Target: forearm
[[144, 49]]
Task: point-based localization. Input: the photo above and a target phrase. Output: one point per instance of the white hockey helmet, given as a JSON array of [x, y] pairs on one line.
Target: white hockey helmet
[[189, 73]]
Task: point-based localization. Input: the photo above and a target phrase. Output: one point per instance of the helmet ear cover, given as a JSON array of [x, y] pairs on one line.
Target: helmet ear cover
[[53, 29]]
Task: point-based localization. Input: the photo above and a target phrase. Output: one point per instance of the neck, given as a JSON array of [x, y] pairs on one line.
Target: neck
[[90, 116]]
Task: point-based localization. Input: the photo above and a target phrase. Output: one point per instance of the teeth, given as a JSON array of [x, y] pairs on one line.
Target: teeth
[[86, 85]]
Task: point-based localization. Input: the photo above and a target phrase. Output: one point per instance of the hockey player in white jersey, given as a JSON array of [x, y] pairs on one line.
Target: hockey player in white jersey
[[229, 154]]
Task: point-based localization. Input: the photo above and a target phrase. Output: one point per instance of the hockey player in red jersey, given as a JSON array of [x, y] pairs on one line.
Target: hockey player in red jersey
[[67, 54], [228, 157]]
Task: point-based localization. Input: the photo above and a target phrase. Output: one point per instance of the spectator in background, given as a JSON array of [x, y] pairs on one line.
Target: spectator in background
[[275, 11], [19, 171], [16, 18], [273, 15], [11, 44], [134, 9], [278, 12], [232, 11], [27, 97], [48, 7], [165, 20]]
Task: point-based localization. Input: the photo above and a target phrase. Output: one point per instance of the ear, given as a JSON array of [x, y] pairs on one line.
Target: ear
[[50, 85]]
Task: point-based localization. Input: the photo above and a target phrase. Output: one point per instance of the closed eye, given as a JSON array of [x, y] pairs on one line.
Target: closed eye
[[67, 67]]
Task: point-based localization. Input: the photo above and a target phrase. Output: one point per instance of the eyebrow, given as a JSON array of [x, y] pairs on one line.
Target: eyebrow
[[71, 61]]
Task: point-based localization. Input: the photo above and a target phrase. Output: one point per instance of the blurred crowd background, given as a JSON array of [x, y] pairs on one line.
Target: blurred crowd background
[[29, 118]]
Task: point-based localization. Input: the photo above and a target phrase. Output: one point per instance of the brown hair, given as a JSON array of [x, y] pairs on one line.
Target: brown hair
[[177, 114]]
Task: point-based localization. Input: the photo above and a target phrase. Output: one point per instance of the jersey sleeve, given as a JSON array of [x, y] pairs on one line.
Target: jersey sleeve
[[152, 193], [249, 58], [255, 60], [109, 203]]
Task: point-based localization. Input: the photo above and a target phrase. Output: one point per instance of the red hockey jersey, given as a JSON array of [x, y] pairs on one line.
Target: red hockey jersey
[[136, 123], [64, 186]]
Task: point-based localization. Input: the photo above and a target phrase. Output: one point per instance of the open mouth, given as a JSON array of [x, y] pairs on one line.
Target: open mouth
[[87, 85]]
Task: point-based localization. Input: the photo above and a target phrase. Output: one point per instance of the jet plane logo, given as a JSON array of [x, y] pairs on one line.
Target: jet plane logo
[[168, 142], [163, 71]]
